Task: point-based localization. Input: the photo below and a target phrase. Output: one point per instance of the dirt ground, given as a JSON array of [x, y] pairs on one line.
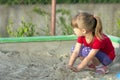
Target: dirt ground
[[41, 62]]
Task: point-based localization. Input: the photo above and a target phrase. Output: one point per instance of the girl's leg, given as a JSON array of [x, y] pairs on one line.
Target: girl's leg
[[93, 63], [103, 58], [80, 54], [84, 51], [100, 57], [102, 61], [96, 61]]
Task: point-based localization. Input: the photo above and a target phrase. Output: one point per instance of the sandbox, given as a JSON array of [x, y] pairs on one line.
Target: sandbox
[[42, 58]]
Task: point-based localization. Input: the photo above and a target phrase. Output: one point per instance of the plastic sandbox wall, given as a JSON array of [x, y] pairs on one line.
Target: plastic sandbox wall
[[49, 39], [26, 43]]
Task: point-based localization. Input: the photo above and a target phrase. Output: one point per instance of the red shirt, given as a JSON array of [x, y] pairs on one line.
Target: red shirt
[[104, 45]]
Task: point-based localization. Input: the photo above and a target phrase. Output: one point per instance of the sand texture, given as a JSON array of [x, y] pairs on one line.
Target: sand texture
[[46, 65], [22, 66]]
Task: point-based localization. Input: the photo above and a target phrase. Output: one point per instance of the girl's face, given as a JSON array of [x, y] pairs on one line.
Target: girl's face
[[79, 32]]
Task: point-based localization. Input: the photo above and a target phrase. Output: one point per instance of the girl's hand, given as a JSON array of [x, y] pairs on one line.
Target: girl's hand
[[68, 66], [72, 68]]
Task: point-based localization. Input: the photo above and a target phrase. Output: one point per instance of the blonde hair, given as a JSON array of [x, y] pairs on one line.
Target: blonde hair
[[88, 22]]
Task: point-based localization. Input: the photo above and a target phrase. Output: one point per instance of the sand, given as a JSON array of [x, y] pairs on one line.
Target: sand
[[17, 66], [20, 65]]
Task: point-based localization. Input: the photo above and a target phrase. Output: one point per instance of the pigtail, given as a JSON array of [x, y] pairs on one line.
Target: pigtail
[[98, 28]]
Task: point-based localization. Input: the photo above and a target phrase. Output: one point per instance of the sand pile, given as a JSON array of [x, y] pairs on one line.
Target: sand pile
[[16, 65]]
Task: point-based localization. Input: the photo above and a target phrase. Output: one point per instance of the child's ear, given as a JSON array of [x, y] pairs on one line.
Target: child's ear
[[84, 31]]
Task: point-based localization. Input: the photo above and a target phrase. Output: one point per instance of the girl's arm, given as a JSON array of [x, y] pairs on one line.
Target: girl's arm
[[86, 60], [74, 55]]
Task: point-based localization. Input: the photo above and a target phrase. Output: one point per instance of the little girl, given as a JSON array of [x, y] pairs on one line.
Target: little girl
[[92, 44]]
